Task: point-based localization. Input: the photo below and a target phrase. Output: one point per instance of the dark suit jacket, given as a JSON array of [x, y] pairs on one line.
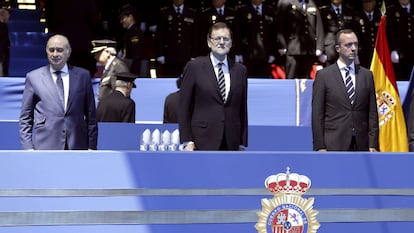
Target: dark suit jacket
[[333, 116], [171, 104], [43, 122], [116, 108], [107, 83], [203, 116]]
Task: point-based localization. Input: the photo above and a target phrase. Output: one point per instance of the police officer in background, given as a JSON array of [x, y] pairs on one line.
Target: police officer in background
[[335, 17], [366, 26], [218, 12], [133, 47], [400, 35], [258, 36], [300, 36], [176, 39], [105, 54]]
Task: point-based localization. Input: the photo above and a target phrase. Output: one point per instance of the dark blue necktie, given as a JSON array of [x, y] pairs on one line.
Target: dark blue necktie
[[59, 86]]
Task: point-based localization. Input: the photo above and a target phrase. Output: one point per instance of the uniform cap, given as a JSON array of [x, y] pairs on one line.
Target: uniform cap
[[99, 45], [126, 76], [127, 10]]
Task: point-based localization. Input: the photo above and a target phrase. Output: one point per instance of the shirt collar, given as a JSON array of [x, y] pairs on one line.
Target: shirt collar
[[64, 69], [342, 65], [216, 61], [179, 7], [334, 7], [408, 6], [260, 6]]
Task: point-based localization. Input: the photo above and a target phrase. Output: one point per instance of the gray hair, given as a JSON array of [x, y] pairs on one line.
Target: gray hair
[[121, 83]]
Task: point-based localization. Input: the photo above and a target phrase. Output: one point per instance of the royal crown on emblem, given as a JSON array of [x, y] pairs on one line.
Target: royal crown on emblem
[[288, 183]]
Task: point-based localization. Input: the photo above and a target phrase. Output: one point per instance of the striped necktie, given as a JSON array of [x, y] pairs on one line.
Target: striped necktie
[[221, 81], [349, 85]]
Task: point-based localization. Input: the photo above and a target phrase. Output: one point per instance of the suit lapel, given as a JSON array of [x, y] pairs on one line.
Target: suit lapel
[[209, 70], [72, 86], [340, 83], [50, 84], [358, 85], [233, 81]]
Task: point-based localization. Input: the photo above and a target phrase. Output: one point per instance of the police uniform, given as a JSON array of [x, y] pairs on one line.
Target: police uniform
[[366, 31], [108, 78], [257, 38], [177, 39], [301, 33], [133, 43], [211, 16], [400, 35], [332, 23]]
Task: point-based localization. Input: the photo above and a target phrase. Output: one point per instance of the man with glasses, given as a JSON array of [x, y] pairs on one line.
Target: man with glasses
[[344, 108], [213, 97], [58, 106]]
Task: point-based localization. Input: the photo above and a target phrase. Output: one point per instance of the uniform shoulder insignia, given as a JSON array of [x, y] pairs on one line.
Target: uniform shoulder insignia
[[134, 39], [323, 7]]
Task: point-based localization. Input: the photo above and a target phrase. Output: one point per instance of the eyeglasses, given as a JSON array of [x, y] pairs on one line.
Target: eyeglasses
[[219, 38], [59, 50]]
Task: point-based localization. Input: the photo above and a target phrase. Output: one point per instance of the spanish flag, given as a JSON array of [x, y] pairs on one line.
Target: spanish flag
[[392, 131]]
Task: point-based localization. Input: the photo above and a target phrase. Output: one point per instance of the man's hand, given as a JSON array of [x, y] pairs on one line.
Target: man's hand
[[189, 147]]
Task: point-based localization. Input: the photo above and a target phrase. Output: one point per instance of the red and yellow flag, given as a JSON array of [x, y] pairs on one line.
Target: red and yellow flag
[[392, 131]]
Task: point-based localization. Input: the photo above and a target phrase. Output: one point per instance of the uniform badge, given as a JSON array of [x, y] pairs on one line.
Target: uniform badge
[[361, 22], [294, 7], [169, 18], [134, 39], [287, 211], [249, 16], [329, 17], [213, 18], [188, 20]]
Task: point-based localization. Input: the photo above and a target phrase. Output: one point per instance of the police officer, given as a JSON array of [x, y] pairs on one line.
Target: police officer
[[400, 35], [176, 38], [366, 27], [335, 17], [300, 36], [133, 40], [258, 36], [218, 12]]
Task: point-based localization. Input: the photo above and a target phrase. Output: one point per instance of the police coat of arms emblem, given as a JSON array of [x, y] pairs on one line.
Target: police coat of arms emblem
[[287, 211]]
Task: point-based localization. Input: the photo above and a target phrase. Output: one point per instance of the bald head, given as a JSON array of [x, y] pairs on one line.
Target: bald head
[[58, 51]]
